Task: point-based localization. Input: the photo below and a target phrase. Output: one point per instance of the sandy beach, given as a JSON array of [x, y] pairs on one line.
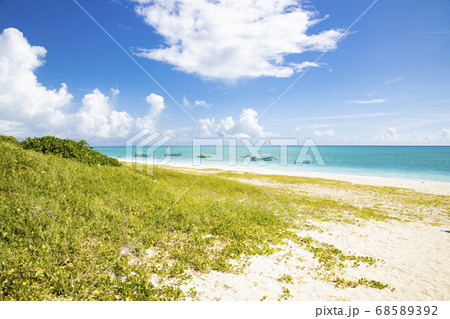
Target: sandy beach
[[415, 255]]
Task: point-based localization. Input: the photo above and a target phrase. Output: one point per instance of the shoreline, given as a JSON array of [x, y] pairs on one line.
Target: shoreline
[[423, 186]]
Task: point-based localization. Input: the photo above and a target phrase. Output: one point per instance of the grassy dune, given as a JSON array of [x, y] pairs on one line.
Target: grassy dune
[[74, 231]]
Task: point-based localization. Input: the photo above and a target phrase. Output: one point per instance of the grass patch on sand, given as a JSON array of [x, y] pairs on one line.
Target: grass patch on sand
[[386, 203]]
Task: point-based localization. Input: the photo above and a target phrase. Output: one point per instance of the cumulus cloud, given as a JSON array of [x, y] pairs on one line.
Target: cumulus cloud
[[28, 108], [207, 127], [157, 105], [202, 103], [98, 118], [246, 126], [19, 88], [233, 39]]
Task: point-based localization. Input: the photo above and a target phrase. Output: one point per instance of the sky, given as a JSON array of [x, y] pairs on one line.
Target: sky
[[104, 70]]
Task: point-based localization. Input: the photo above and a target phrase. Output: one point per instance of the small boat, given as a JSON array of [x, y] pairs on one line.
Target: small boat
[[263, 157], [140, 154], [172, 154], [204, 156], [304, 162]]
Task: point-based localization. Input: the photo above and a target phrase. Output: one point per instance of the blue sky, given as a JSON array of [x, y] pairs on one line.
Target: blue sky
[[386, 81]]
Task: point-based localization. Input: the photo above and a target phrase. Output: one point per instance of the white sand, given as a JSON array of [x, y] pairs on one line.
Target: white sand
[[416, 265]]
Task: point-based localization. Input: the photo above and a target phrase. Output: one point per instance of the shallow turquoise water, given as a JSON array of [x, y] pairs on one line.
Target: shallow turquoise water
[[411, 162]]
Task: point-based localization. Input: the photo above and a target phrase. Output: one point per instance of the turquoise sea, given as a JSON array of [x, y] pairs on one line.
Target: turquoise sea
[[408, 162]]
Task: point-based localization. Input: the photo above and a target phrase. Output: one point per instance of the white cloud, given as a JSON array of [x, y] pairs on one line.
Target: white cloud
[[114, 92], [329, 132], [27, 108], [10, 127], [299, 67], [157, 105], [374, 101], [246, 127], [226, 128], [19, 89], [336, 117], [394, 80], [186, 102], [97, 118], [316, 126], [445, 133], [394, 136], [233, 39], [207, 127], [201, 103]]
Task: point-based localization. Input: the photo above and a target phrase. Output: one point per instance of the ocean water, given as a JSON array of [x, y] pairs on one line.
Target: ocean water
[[407, 162]]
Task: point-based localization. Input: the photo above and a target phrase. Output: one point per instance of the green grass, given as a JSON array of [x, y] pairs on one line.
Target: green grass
[[75, 231], [64, 223], [286, 278]]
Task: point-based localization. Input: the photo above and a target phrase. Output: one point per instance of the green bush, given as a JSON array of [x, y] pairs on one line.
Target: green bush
[[9, 139], [66, 148]]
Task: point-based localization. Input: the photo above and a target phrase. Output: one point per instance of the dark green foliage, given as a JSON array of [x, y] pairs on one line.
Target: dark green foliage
[[66, 148], [9, 139]]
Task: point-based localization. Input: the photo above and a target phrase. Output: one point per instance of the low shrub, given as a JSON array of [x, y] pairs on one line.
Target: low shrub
[[66, 148], [9, 139]]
